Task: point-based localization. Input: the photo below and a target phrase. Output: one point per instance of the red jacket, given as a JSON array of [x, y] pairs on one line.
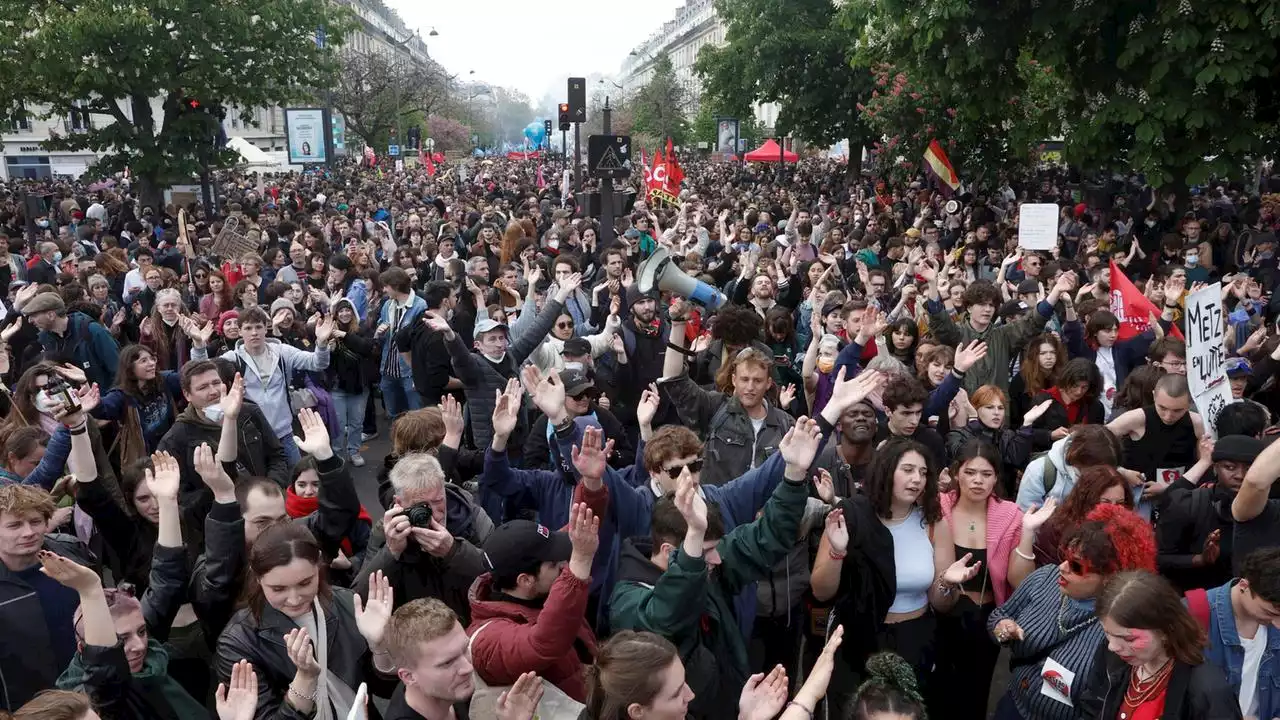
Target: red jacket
[[521, 638]]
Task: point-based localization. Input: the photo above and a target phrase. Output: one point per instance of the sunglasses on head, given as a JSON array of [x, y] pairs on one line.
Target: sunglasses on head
[[694, 467]]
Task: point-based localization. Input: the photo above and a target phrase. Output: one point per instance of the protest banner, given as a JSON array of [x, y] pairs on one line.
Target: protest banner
[[1206, 328], [1038, 226]]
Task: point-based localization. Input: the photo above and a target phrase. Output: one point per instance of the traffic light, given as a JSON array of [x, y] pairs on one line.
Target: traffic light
[[547, 126], [564, 116]]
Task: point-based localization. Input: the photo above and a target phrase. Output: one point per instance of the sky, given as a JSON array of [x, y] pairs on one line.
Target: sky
[[534, 47]]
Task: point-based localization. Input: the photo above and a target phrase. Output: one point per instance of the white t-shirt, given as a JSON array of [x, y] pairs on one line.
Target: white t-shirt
[[1253, 651], [1107, 366]]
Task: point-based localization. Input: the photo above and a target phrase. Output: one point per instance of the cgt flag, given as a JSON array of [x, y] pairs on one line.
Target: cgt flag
[[938, 165], [1131, 307]]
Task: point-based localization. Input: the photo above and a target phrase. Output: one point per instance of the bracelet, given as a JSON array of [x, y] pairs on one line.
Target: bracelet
[[944, 587], [294, 691], [80, 429], [837, 556], [1024, 556], [806, 710]]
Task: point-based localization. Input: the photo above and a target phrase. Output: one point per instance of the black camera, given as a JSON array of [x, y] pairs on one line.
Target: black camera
[[419, 515]]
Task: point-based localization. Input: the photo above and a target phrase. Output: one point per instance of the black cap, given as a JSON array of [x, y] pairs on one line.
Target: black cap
[[575, 380], [1013, 308], [576, 346], [518, 544], [1028, 286], [635, 295], [1237, 448]]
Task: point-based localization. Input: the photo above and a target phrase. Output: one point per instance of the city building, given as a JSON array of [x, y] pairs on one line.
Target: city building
[[695, 26], [23, 154]]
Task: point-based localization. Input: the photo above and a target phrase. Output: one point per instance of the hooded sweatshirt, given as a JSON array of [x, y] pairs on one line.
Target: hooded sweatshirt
[[103, 674], [1032, 492]]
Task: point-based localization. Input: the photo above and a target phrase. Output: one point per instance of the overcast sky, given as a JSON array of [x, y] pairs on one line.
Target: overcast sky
[[534, 47]]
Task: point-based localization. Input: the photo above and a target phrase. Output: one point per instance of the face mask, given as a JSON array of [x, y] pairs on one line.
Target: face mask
[[57, 257], [826, 364], [1192, 260], [214, 412], [43, 223]]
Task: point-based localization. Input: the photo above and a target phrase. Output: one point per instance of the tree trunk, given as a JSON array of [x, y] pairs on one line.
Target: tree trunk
[[150, 194], [854, 168]]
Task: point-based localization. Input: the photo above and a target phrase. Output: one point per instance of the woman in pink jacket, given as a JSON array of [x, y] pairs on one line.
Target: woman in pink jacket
[[987, 527]]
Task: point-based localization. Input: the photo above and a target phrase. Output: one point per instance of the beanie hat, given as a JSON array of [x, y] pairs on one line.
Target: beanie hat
[[283, 304], [1237, 448], [44, 301], [634, 295], [224, 317]]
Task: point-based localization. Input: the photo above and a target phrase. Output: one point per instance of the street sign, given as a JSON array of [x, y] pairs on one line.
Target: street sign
[[609, 156], [393, 150]]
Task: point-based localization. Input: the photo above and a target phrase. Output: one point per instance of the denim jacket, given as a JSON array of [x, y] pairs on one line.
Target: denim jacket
[[1225, 651]]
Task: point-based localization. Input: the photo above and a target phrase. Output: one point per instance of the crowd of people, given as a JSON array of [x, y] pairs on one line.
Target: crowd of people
[[888, 448]]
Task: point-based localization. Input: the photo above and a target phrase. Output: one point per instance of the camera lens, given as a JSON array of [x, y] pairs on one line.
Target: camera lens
[[419, 515]]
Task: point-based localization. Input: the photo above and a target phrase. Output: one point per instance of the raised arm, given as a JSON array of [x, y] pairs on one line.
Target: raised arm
[[1253, 496]]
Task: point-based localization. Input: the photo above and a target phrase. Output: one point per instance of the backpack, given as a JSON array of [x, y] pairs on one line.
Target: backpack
[[554, 705], [1050, 473]]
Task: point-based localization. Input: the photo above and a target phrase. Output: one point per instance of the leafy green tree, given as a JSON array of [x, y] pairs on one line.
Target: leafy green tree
[[795, 53], [1180, 91], [703, 127], [133, 61], [659, 108], [378, 93]]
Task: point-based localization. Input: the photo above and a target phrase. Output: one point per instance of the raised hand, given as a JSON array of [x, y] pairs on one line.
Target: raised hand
[[297, 644], [647, 408], [547, 392], [68, 573], [211, 472], [373, 613], [71, 373], [568, 286], [7, 334], [238, 698], [584, 533], [800, 444], [520, 701], [315, 436], [837, 532], [324, 331], [233, 399], [163, 481], [763, 696], [1035, 413], [787, 395], [690, 503], [506, 410], [847, 393], [961, 571], [591, 458], [1038, 515], [826, 488], [820, 675], [451, 414], [968, 355]]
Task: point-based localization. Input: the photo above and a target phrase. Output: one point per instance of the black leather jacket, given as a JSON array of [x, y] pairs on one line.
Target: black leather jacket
[[1195, 692]]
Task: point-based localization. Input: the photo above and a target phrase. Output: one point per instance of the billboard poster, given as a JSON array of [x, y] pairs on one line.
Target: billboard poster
[[304, 130], [727, 135]]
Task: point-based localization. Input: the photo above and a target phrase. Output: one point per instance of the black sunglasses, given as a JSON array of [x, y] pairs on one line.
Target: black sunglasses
[[565, 325], [694, 467]]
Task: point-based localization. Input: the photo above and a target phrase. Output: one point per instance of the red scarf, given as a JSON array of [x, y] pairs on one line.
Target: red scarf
[[298, 506], [1075, 410]]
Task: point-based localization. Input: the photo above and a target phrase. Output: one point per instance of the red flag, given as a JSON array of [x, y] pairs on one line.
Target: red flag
[[675, 175], [657, 173], [939, 165], [431, 166], [1132, 308]]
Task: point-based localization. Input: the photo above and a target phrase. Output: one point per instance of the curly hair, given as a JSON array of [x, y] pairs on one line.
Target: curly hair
[[737, 325], [1113, 539], [1084, 497], [981, 292], [891, 688]]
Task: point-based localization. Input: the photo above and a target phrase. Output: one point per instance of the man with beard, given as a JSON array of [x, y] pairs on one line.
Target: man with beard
[[760, 294], [644, 338], [1195, 528]]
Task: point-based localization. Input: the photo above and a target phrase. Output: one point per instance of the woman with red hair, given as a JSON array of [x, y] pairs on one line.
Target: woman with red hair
[[1099, 485], [1050, 623]]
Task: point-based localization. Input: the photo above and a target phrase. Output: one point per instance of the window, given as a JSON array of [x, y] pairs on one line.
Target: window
[[78, 120]]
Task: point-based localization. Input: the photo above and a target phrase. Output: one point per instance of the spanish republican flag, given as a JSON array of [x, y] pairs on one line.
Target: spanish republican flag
[[936, 162]]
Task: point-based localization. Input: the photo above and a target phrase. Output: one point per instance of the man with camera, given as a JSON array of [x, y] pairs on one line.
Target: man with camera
[[434, 532]]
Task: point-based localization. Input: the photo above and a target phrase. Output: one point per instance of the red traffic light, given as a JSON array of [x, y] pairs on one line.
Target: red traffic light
[[564, 107]]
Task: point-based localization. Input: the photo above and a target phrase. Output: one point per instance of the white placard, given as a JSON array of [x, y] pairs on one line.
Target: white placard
[[1206, 329], [304, 133], [1038, 226]]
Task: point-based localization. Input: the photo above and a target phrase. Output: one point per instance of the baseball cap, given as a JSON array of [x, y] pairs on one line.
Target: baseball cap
[[1013, 308], [575, 381], [487, 324], [576, 346], [1028, 286], [1238, 367], [519, 544]]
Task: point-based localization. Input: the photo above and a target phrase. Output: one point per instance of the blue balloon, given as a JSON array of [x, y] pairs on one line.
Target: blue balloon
[[536, 132]]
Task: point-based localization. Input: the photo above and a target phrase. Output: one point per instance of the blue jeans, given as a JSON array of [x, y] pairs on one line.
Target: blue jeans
[[399, 395], [291, 451], [350, 409]]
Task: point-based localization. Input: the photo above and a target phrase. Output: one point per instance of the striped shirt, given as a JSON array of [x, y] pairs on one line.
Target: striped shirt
[[1034, 606]]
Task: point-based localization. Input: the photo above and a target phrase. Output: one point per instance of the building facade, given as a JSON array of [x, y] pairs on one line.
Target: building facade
[[23, 155], [695, 26]]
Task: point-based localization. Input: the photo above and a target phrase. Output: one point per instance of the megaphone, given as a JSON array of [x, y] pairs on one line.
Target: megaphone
[[659, 273]]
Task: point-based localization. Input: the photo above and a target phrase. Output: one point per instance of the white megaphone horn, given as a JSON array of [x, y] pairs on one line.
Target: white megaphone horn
[[658, 272]]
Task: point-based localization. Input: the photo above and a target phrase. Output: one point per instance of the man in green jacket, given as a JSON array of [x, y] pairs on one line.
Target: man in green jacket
[[689, 563]]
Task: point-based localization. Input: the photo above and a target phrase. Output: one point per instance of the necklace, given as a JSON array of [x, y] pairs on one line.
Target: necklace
[[1062, 618], [1141, 691], [973, 526]]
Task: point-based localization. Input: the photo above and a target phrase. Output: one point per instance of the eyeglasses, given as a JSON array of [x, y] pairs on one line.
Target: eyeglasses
[[694, 468], [565, 325]]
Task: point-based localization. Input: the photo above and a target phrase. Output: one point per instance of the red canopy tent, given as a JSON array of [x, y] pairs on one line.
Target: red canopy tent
[[768, 152]]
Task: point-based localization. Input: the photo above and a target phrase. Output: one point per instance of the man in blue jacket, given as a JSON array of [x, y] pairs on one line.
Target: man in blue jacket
[[1244, 633], [74, 338]]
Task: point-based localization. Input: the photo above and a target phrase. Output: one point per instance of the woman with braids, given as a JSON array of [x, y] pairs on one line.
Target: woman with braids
[[1042, 360], [144, 402], [1153, 664], [1050, 623]]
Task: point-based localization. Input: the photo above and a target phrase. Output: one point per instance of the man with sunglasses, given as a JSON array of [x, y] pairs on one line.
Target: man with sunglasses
[[581, 404]]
